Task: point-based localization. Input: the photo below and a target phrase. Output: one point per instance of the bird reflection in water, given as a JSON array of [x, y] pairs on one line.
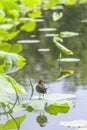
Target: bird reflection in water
[[42, 120]]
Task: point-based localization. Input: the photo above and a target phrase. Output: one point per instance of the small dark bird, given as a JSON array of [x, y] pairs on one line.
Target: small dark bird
[[40, 88]]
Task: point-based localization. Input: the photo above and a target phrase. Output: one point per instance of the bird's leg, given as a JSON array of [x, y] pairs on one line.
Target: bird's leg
[[43, 96], [39, 96]]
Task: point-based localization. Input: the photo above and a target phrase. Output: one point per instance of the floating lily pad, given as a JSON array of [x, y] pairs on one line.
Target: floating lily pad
[[57, 7], [44, 49], [75, 123], [31, 19], [56, 97], [55, 108], [28, 41], [32, 35], [38, 20], [51, 35], [47, 29], [84, 21], [82, 128], [69, 60], [61, 102], [67, 34]]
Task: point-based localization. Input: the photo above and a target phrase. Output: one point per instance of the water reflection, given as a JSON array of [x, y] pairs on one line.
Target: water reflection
[[11, 62], [44, 64], [41, 120]]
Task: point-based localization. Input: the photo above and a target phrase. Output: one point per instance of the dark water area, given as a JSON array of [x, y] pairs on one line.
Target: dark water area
[[44, 65]]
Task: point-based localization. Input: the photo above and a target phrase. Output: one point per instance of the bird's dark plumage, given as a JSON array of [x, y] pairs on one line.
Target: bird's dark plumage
[[40, 88]]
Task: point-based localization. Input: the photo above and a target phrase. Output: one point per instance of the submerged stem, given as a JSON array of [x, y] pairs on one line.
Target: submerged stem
[[32, 87], [18, 125], [60, 57]]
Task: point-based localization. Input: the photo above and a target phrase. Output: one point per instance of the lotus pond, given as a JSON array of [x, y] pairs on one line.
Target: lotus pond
[[48, 44]]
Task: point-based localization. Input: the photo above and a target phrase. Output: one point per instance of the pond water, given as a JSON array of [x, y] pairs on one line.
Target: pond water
[[43, 64]]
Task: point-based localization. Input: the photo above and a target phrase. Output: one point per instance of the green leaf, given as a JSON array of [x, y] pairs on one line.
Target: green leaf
[[14, 13], [64, 73], [67, 34], [27, 107], [56, 16], [54, 109], [11, 5], [18, 87], [70, 2], [5, 46], [31, 4], [34, 14], [29, 26], [16, 48], [8, 84], [4, 97], [11, 47], [5, 35], [11, 125], [12, 35], [51, 3], [1, 18], [61, 47]]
